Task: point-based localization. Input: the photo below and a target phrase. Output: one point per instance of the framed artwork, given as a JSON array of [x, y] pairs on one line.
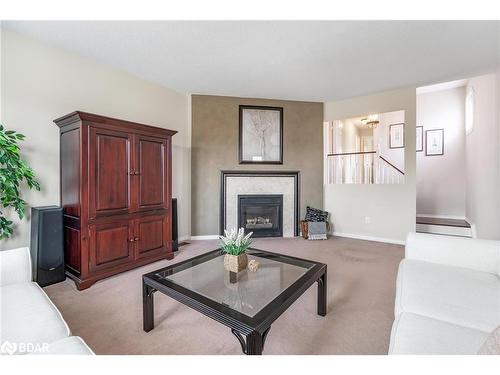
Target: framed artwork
[[434, 142], [397, 136], [261, 135], [420, 139]]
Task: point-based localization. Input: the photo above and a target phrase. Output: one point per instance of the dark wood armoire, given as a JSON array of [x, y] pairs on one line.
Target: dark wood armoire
[[116, 179]]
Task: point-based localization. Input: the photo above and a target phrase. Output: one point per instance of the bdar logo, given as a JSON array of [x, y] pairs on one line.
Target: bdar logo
[[8, 347]]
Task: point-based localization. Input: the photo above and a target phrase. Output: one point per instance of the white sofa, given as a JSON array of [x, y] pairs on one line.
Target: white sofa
[[29, 321], [447, 295]]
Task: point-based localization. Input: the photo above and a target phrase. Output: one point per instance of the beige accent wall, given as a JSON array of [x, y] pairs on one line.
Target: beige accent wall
[[215, 147], [40, 83], [383, 212]]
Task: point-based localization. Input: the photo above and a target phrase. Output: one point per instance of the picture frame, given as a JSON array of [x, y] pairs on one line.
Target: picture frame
[[260, 134], [434, 142], [419, 146], [397, 135]]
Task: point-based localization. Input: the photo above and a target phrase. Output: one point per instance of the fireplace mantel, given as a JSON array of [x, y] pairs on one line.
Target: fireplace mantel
[[293, 175]]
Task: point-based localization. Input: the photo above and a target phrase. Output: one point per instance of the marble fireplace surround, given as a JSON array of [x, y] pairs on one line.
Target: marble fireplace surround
[[234, 183]]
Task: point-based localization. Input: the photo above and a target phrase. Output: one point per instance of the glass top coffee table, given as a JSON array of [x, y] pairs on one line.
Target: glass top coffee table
[[247, 302]]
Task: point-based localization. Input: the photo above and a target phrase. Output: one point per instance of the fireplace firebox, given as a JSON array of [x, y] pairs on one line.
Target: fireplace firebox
[[261, 214]]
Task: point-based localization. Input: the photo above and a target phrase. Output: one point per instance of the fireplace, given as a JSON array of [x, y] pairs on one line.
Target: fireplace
[[263, 183], [261, 214]]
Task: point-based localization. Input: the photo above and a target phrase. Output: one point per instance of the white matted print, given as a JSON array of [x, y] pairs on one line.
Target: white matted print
[[397, 136], [261, 135], [434, 142], [420, 139]]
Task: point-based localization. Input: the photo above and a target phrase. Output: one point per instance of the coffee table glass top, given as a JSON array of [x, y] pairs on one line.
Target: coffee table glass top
[[251, 292]]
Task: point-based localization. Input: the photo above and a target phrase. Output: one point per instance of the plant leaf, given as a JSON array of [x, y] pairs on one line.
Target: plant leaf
[[15, 174]]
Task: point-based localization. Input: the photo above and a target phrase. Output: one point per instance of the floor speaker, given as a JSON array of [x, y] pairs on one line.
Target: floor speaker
[[175, 229], [47, 245]]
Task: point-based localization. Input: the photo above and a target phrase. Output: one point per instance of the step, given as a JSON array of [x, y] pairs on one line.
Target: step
[[444, 226]]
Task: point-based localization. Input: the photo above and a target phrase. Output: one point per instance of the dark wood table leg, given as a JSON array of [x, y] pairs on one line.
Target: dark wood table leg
[[148, 322], [322, 294], [254, 343]]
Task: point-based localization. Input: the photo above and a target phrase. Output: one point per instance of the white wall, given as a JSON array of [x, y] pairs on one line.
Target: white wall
[[395, 156], [441, 178], [350, 136], [482, 159], [41, 83], [391, 208]]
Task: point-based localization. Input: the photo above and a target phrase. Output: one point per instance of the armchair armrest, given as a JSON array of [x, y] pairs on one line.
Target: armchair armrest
[[480, 255], [15, 266]]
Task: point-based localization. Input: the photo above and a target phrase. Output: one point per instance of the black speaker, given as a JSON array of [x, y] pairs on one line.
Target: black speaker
[[47, 245], [175, 230]]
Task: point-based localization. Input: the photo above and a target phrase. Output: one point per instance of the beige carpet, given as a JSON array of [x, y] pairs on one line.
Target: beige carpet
[[361, 287]]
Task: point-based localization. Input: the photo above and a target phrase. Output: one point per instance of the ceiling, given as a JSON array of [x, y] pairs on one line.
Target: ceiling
[[296, 60]]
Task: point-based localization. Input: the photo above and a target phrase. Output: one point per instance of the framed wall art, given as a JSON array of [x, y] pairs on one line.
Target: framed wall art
[[434, 142], [261, 135], [420, 139], [397, 136]]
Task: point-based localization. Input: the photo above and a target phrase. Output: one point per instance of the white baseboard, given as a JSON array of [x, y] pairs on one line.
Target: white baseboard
[[349, 235], [208, 237], [369, 238], [473, 230]]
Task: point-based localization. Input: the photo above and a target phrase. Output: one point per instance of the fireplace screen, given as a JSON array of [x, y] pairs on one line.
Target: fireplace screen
[[261, 214]]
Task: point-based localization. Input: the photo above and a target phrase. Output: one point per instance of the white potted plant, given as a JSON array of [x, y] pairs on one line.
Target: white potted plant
[[234, 243]]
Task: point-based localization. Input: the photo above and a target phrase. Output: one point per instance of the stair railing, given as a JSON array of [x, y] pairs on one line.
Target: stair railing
[[388, 173], [362, 168]]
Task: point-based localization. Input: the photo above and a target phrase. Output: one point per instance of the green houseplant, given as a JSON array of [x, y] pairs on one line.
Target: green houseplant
[[14, 173], [234, 243]]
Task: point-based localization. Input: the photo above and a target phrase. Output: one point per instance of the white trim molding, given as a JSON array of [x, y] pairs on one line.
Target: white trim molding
[[337, 234], [208, 237], [369, 238], [444, 230], [473, 229]]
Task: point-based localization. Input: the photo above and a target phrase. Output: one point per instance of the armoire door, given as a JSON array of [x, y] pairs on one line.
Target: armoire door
[[109, 169], [152, 235], [111, 244], [151, 173]]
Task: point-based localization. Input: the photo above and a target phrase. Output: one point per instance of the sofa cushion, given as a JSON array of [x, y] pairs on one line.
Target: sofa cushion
[[457, 295], [15, 266], [492, 344], [72, 345], [315, 215], [29, 317], [416, 334], [453, 251]]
